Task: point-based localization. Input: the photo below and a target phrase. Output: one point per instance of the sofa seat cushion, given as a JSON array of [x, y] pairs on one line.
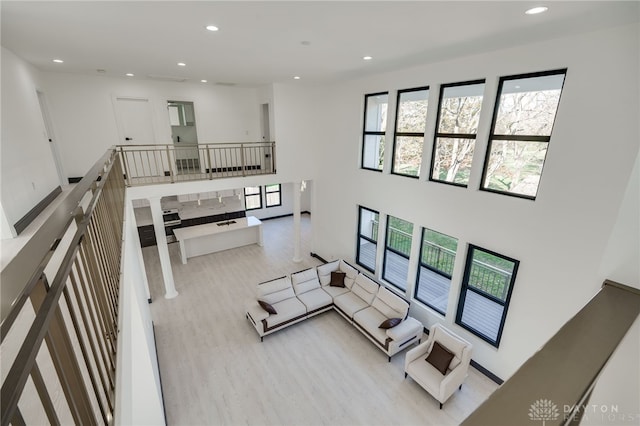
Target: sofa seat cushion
[[315, 299], [369, 319], [349, 304], [335, 291], [288, 309], [428, 376]]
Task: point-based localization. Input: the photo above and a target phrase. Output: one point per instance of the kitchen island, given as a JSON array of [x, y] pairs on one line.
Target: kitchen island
[[212, 237]]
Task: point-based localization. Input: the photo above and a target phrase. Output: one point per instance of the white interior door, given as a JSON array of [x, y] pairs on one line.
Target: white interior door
[[135, 126], [51, 138]]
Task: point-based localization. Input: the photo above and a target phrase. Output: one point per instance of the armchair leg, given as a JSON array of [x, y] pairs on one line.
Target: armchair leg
[[261, 337], [389, 359], [405, 374], [441, 405], [460, 388]]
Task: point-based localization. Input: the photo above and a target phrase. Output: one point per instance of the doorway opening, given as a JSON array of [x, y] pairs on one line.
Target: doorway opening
[[184, 136]]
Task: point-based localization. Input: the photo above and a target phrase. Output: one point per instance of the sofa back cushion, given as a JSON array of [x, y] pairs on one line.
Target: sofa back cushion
[[275, 291], [351, 272], [390, 304], [305, 281], [324, 271], [365, 288]]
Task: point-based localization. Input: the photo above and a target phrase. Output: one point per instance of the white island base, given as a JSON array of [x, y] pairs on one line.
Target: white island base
[[212, 237]]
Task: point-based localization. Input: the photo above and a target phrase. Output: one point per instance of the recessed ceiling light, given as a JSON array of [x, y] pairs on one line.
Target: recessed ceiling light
[[212, 28], [367, 58], [129, 74], [305, 43], [536, 10], [203, 81], [182, 64], [58, 61], [296, 77]]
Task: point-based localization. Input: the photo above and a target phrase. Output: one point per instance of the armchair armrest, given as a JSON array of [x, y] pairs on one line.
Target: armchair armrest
[[415, 353], [406, 328]]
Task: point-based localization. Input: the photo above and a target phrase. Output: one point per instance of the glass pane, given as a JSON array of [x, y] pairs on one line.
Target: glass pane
[[272, 188], [399, 233], [408, 155], [482, 315], [491, 274], [528, 106], [433, 289], [367, 254], [460, 109], [376, 113], [252, 190], [438, 251], [373, 152], [412, 111], [252, 202], [452, 160], [369, 224], [396, 269], [515, 166], [273, 199]]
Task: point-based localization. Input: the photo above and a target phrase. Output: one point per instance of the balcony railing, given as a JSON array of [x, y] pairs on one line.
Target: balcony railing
[[60, 304], [149, 164]]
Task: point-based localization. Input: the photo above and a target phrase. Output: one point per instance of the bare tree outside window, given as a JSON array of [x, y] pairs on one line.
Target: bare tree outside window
[[523, 121]]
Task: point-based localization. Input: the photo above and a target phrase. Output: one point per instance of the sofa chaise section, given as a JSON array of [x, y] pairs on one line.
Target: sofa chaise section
[[387, 307], [279, 294]]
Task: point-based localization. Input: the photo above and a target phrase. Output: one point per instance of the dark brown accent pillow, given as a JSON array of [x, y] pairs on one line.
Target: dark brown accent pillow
[[439, 357], [391, 322], [267, 307], [337, 279]]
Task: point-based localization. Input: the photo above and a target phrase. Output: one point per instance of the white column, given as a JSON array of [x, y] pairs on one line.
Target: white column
[[163, 249], [297, 257]]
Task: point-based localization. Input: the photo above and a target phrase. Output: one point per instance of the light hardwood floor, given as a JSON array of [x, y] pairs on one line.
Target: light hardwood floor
[[216, 371]]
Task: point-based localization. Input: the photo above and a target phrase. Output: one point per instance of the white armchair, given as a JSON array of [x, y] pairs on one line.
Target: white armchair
[[440, 386]]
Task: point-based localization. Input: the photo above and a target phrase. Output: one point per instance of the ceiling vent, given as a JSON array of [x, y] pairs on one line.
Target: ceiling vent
[[167, 78]]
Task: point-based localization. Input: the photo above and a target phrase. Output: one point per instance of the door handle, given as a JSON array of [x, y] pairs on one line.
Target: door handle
[[128, 139]]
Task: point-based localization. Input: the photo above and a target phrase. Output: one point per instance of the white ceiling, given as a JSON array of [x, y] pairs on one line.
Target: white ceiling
[[261, 42]]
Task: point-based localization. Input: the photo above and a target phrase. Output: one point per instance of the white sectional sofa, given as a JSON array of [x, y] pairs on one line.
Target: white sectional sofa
[[381, 315]]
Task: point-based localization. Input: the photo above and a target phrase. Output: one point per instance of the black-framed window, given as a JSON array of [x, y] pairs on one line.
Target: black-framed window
[[408, 139], [375, 124], [273, 195], [397, 251], [437, 257], [368, 221], [253, 198], [485, 294], [523, 119], [458, 116]]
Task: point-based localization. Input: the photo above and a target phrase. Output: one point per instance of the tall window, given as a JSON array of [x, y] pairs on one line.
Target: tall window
[[458, 117], [522, 122], [252, 198], [397, 251], [411, 118], [437, 257], [367, 238], [272, 195], [485, 294], [375, 123]]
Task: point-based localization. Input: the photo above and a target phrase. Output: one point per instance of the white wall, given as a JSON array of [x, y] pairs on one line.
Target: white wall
[[82, 109], [138, 386], [28, 171], [560, 238]]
